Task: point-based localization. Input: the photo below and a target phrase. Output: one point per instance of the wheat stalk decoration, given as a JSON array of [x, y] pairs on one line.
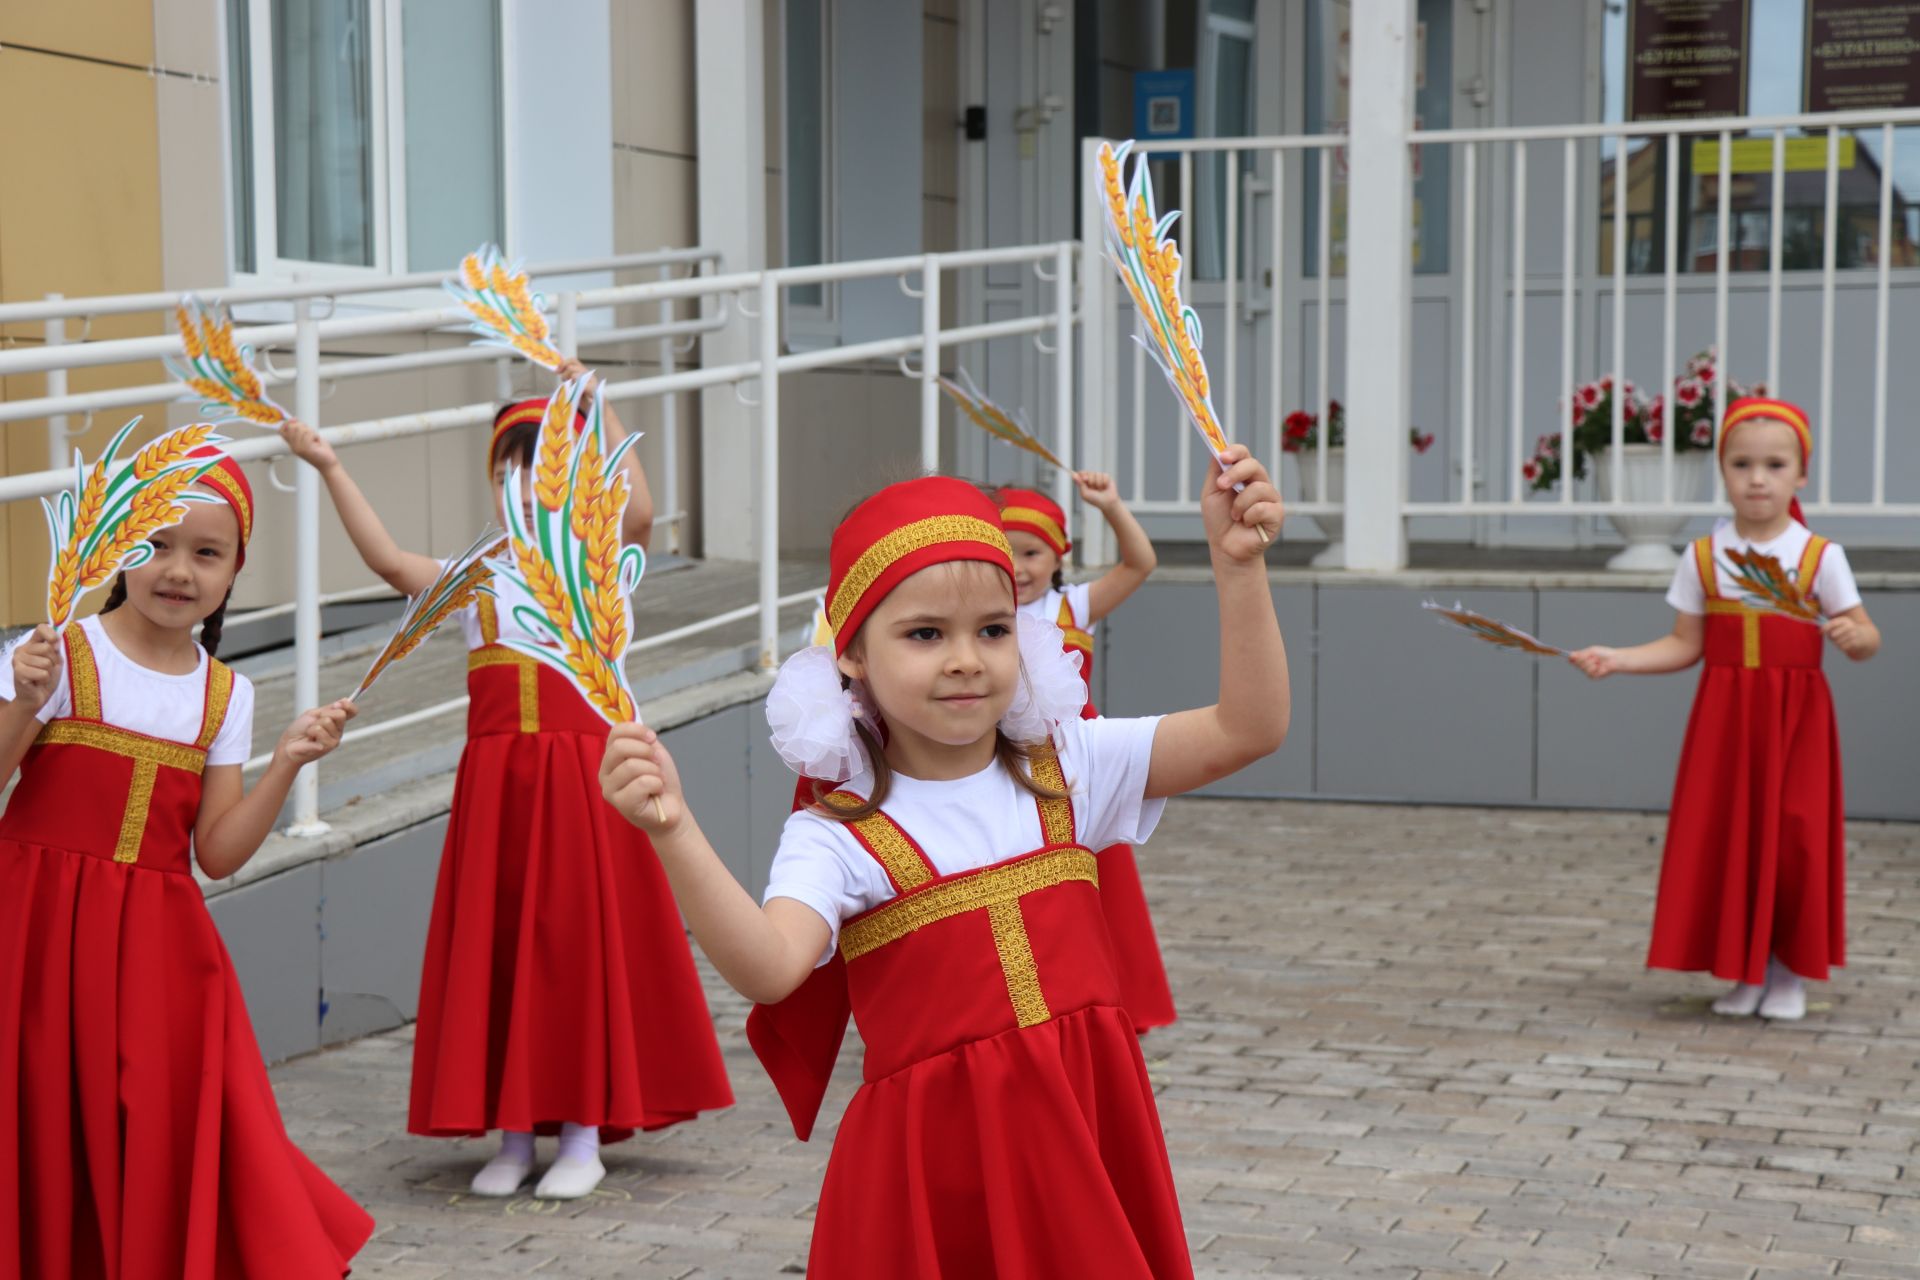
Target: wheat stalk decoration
[[506, 312], [565, 555], [1493, 631], [465, 578], [1769, 585], [218, 369], [995, 420], [102, 525]]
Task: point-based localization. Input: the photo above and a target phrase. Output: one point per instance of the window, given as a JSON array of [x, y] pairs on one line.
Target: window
[[335, 164], [1776, 71], [808, 117], [1226, 111]]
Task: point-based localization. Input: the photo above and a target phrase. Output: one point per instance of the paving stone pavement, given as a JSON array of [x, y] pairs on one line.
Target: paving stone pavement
[[1415, 1043]]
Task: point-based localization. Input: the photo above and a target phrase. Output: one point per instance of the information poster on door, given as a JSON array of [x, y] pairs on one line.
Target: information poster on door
[[1862, 55], [1686, 58]]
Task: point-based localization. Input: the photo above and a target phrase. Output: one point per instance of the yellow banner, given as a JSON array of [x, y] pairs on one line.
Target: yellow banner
[[1755, 155]]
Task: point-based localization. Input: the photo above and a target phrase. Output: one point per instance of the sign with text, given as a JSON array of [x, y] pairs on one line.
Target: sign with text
[[1686, 58], [1163, 103], [1862, 55], [1755, 155]]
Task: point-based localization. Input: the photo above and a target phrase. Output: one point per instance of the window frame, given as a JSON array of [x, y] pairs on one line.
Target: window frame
[[809, 326], [387, 141]]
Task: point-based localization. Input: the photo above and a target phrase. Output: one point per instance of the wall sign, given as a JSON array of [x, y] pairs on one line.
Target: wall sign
[[1686, 58], [1862, 55]]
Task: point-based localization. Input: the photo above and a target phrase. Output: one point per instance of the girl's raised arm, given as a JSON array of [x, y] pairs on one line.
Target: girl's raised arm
[[1193, 748], [1137, 557], [407, 572]]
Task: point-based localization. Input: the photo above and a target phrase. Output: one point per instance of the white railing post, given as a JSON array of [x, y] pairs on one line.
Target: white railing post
[[670, 431], [306, 563], [1098, 445], [769, 464], [566, 323], [930, 363], [1379, 284], [56, 335], [1063, 381]]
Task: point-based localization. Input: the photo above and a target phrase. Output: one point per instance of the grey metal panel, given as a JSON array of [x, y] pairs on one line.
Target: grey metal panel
[[1142, 678], [1878, 706], [272, 931], [711, 755], [769, 794], [1614, 743], [374, 931], [1410, 713]]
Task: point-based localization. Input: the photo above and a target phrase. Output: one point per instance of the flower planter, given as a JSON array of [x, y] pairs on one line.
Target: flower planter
[[1307, 466], [1649, 538]]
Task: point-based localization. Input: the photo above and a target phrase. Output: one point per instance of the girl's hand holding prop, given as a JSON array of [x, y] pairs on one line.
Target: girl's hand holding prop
[[1768, 584], [465, 578], [1149, 265], [36, 667], [102, 525], [220, 370], [637, 776], [1493, 631], [567, 558], [997, 421], [506, 312]]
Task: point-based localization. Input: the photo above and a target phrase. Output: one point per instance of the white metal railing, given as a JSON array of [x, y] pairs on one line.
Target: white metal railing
[[1504, 273], [1054, 262]]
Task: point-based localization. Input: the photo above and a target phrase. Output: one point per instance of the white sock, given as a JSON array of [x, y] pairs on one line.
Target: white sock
[[1742, 1001], [1786, 998], [581, 1141], [502, 1175], [578, 1170]]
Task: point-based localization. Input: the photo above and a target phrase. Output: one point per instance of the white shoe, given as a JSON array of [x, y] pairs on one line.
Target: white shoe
[[1785, 1002], [1741, 1002], [501, 1176], [571, 1177]]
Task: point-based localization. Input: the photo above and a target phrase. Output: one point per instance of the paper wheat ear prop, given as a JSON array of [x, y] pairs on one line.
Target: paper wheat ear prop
[[506, 312], [996, 421], [218, 369], [819, 631], [465, 578], [102, 525], [1493, 631], [1768, 584]]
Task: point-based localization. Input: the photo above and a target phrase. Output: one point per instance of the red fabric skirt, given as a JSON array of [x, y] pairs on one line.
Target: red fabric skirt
[[139, 1138], [1756, 843], [1033, 1153], [558, 983], [1136, 951]]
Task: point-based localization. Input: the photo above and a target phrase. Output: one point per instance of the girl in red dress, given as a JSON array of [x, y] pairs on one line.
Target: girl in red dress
[[139, 1138], [1037, 531], [558, 993], [1752, 885], [944, 894]]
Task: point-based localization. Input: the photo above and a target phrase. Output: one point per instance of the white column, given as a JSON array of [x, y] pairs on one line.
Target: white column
[[1379, 283], [1099, 423], [731, 138], [306, 562]]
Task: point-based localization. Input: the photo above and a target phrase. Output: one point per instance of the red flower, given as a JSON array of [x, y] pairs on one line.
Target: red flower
[[1703, 433], [1590, 396], [1333, 407], [1421, 443], [1530, 471], [1655, 430], [1705, 373], [1688, 392]]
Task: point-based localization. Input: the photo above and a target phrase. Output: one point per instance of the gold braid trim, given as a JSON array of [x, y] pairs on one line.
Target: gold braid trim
[[886, 841], [219, 695], [123, 742], [1008, 882], [1016, 963], [83, 675], [1749, 628], [496, 656], [1709, 576], [133, 821], [1040, 520], [903, 542], [1056, 816]]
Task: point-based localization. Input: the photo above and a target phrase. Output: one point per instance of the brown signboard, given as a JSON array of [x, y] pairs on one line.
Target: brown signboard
[[1686, 58], [1862, 55]]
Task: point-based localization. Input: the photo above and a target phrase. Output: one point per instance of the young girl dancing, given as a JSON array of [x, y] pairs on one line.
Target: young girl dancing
[[138, 1134], [945, 894], [1037, 532], [1752, 884], [558, 992]]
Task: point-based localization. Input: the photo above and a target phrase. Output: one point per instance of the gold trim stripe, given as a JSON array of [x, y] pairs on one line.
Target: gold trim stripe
[[1703, 560], [887, 842], [83, 675], [1048, 527], [1749, 628], [1008, 882], [903, 542], [1056, 816], [133, 822], [217, 478], [122, 742], [1016, 963], [496, 656], [219, 696], [1810, 566]]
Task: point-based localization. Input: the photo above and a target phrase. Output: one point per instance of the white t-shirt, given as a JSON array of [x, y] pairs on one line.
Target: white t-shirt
[[972, 822], [1078, 594], [506, 596], [1833, 584], [150, 702]]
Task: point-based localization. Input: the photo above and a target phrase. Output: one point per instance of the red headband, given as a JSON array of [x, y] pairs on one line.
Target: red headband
[[1752, 408], [520, 413], [901, 530], [1031, 511], [227, 480]]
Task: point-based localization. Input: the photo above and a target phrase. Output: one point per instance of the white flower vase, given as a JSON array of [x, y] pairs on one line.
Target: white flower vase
[[1649, 538], [1307, 464]]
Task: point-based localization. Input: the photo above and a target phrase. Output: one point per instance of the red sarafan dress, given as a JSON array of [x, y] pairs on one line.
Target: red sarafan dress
[[139, 1138], [558, 983], [1755, 854], [1006, 1127], [1143, 973]]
